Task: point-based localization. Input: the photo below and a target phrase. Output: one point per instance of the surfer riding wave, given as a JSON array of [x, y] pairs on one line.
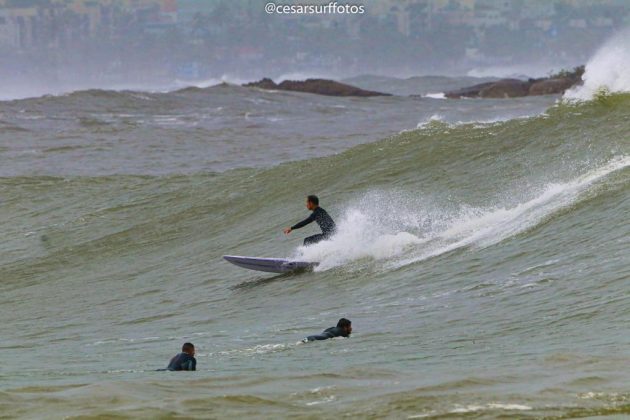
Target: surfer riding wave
[[318, 215]]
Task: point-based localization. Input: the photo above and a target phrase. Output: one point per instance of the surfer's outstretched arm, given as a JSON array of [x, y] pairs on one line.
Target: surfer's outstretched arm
[[309, 219]]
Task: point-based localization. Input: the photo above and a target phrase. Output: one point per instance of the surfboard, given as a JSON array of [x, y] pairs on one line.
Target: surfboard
[[270, 265]]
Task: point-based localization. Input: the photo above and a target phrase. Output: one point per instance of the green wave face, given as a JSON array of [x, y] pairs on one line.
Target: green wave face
[[484, 266]]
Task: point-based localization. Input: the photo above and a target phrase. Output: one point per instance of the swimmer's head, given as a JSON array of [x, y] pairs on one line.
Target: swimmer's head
[[345, 325], [188, 348]]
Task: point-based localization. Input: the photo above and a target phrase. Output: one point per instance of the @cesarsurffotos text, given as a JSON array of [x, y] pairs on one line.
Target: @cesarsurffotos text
[[331, 8]]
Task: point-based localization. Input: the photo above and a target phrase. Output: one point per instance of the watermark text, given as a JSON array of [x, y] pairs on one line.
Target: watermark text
[[332, 8]]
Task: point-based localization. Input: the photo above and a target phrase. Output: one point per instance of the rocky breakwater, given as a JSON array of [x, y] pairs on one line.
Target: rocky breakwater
[[317, 86], [514, 88]]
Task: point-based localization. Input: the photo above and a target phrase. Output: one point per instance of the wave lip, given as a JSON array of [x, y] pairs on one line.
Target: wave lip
[[486, 227]]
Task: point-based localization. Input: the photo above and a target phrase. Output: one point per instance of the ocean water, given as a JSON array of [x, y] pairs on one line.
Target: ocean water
[[482, 253]]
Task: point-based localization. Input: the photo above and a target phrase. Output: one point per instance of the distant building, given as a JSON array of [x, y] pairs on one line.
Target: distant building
[[9, 33], [486, 16], [187, 9], [18, 27]]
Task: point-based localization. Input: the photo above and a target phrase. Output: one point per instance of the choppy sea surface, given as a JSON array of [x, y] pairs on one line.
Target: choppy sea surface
[[482, 253]]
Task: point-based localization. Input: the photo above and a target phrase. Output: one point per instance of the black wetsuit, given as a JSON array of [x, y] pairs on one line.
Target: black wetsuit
[[182, 361], [328, 333], [325, 222]]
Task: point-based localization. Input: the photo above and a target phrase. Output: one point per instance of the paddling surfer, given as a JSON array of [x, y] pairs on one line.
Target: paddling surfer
[[318, 215], [343, 329]]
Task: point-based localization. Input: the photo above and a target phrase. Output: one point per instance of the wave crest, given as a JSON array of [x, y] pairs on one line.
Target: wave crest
[[607, 71]]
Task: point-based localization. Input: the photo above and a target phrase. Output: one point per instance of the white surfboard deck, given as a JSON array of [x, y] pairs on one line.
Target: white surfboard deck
[[270, 265]]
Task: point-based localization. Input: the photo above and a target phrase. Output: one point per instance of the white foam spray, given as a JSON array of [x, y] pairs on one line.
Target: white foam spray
[[607, 70], [432, 119], [226, 78], [436, 95], [396, 231]]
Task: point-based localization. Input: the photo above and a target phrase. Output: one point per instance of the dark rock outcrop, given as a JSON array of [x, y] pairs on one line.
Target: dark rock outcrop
[[317, 86], [514, 88], [506, 88], [551, 86], [468, 92]]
